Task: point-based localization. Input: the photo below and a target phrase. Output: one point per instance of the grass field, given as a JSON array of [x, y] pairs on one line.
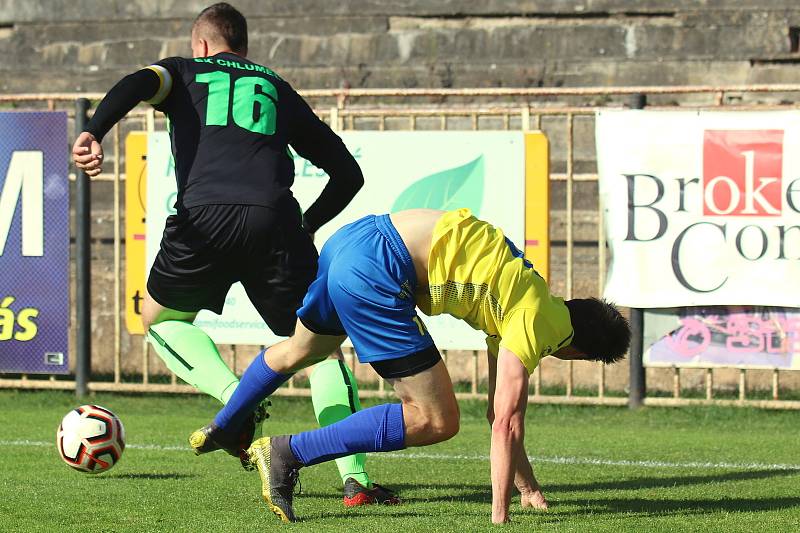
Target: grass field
[[603, 469]]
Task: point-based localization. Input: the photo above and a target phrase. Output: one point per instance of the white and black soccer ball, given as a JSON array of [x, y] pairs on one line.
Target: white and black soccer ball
[[90, 439]]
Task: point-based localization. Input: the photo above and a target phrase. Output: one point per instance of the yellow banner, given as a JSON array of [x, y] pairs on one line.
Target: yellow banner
[[135, 201], [537, 202]]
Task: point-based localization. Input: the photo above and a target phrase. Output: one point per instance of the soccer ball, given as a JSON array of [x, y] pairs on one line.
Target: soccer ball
[[90, 439]]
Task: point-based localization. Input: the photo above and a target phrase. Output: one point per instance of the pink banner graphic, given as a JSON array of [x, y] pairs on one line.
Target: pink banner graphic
[[730, 336]]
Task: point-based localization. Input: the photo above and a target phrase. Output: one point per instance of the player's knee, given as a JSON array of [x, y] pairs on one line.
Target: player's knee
[[149, 318], [293, 354], [149, 322], [448, 429], [444, 425], [443, 429]]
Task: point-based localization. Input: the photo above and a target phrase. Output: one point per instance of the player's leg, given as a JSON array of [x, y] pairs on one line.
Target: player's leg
[[276, 287], [334, 394], [274, 366], [187, 350], [379, 316], [428, 413], [232, 428], [268, 371], [187, 275], [430, 409]]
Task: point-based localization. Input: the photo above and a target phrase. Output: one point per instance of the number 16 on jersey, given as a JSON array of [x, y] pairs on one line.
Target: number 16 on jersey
[[253, 105]]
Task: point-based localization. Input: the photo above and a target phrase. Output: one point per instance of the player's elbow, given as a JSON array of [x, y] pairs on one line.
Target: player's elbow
[[355, 180], [352, 170], [348, 182]]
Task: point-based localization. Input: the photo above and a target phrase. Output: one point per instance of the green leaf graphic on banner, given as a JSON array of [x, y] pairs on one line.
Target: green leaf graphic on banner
[[449, 189]]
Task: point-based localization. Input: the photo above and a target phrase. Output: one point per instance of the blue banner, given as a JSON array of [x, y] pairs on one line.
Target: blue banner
[[34, 242]]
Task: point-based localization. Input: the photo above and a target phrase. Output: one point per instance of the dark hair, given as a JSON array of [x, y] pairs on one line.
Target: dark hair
[[601, 332], [227, 22]]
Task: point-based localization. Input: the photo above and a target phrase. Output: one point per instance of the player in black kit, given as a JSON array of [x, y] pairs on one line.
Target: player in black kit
[[231, 122]]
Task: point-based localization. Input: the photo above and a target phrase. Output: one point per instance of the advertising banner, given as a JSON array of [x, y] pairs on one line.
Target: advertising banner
[[752, 337], [135, 230], [484, 171], [34, 242], [701, 208]]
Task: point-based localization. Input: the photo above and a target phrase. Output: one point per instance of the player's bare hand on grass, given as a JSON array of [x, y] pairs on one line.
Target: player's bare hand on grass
[[87, 154], [533, 498]]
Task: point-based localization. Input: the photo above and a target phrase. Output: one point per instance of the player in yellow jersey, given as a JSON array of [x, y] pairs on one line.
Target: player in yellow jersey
[[372, 275]]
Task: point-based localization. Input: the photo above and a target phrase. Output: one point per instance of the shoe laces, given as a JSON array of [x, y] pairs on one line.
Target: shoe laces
[[294, 477], [260, 414], [244, 459]]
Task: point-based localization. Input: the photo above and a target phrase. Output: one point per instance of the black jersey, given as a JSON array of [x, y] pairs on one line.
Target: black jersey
[[231, 121]]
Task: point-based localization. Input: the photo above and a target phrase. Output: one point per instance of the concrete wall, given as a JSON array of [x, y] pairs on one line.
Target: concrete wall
[[87, 45]]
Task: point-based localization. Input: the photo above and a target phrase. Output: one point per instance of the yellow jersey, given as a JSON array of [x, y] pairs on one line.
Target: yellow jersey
[[476, 274]]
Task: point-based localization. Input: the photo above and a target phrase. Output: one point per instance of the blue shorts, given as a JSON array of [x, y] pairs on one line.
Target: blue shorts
[[365, 289]]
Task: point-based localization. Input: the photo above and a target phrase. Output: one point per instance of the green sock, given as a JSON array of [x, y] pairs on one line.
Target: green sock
[[191, 354], [334, 394]]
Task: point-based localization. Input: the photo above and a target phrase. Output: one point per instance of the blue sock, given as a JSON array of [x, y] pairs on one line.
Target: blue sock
[[377, 429], [258, 382]]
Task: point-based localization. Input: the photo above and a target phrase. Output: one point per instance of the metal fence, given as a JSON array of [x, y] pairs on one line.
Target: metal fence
[[566, 115]]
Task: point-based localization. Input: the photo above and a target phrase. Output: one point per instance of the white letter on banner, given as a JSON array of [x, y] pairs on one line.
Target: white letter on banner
[[735, 194], [25, 174], [752, 195]]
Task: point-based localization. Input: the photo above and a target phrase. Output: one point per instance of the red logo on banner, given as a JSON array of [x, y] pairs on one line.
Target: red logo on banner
[[742, 172]]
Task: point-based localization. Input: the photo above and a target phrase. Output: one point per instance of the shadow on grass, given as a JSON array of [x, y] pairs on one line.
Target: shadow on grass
[[410, 492], [671, 481], [394, 512], [147, 475], [481, 492], [433, 492], [586, 508], [662, 506], [594, 509], [590, 508]]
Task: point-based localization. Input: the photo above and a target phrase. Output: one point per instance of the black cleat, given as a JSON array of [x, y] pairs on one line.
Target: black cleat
[[259, 416], [356, 494], [278, 468], [211, 438]]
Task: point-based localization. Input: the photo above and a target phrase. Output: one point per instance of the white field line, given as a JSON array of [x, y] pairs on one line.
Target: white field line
[[458, 457]]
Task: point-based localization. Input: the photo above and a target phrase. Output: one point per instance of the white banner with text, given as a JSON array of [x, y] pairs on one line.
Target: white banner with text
[[701, 208]]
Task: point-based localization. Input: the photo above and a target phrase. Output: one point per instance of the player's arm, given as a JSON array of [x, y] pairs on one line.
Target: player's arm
[[508, 429], [150, 84], [491, 360], [524, 479], [315, 141]]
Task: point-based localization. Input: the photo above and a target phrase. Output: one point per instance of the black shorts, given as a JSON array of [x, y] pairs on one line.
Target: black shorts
[[206, 249], [408, 365]]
